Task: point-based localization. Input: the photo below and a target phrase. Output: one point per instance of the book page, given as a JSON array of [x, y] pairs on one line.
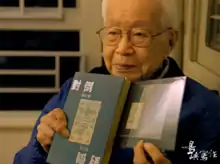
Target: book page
[[156, 98], [159, 120], [84, 122], [134, 116]]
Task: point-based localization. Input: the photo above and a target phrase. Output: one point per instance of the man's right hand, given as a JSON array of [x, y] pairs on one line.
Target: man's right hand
[[55, 121]]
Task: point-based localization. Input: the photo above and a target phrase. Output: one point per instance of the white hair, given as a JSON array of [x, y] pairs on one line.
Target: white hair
[[170, 17]]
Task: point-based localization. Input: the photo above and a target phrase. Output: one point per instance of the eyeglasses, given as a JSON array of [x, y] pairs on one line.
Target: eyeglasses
[[138, 37]]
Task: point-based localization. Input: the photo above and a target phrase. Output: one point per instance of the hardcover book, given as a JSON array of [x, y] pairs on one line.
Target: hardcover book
[[152, 113], [93, 109]]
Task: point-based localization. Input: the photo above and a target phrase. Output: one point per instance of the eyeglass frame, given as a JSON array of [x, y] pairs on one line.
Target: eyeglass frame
[[129, 31]]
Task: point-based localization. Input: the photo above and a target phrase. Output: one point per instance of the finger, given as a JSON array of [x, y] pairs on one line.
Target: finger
[[46, 130], [49, 120], [43, 139], [139, 154], [60, 127], [155, 154], [61, 123], [57, 125], [64, 132], [44, 143], [58, 114]]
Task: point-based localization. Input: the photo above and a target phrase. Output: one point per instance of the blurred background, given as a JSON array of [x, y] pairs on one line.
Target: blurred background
[[44, 42]]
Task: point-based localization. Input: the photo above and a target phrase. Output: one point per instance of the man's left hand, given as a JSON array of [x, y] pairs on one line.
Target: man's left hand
[[142, 148]]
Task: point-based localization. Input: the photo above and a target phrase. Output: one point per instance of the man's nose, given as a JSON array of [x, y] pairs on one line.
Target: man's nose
[[124, 46]]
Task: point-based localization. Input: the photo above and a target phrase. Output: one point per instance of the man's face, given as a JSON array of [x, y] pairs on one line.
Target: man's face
[[124, 59]]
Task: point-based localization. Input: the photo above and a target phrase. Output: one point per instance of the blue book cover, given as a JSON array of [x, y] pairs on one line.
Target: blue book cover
[[93, 108]]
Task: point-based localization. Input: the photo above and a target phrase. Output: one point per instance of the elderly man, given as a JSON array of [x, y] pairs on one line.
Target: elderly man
[[138, 36]]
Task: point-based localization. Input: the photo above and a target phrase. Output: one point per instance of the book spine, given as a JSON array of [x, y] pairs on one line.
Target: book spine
[[118, 112]]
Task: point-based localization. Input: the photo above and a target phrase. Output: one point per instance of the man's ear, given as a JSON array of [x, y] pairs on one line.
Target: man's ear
[[171, 43], [173, 38]]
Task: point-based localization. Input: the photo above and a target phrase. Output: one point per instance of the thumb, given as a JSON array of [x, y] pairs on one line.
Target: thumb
[[65, 133], [139, 154]]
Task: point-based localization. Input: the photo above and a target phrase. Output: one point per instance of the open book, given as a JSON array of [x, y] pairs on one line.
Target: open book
[[152, 113]]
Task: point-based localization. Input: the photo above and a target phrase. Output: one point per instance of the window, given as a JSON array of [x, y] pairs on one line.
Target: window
[[49, 3], [213, 25], [9, 3], [42, 44], [35, 9], [27, 82], [201, 62], [206, 35], [38, 3], [40, 40]]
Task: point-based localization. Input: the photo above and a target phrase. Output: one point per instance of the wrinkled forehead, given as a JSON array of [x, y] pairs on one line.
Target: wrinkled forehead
[[133, 13]]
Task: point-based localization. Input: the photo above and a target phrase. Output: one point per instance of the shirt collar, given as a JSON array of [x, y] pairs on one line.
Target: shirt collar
[[161, 71]]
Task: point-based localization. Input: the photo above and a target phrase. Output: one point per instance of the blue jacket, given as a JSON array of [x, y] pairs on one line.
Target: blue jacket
[[198, 138]]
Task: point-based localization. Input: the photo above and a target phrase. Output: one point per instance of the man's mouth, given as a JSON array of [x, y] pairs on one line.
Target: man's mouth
[[124, 67]]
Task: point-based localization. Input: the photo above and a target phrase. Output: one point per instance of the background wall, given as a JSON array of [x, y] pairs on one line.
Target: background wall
[[15, 131], [177, 53]]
